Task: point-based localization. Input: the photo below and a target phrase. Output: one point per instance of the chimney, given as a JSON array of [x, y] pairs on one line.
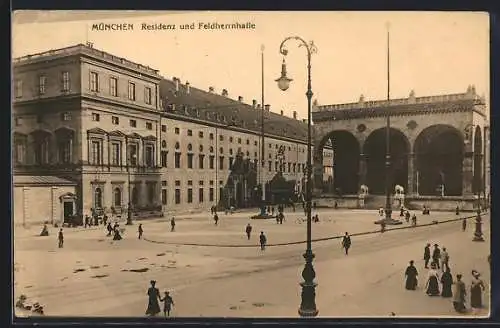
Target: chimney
[[294, 114], [224, 92], [211, 89], [240, 98], [176, 81], [188, 87], [268, 108], [254, 103], [281, 112]]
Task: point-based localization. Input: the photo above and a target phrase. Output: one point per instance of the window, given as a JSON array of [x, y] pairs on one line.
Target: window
[[42, 81], [211, 162], [189, 133], [211, 194], [289, 167], [133, 123], [113, 86], [115, 153], [117, 197], [115, 120], [66, 116], [18, 89], [221, 138], [94, 82], [163, 128], [147, 95], [20, 151], [177, 183], [163, 144], [230, 163], [131, 91], [211, 136], [177, 196], [270, 146], [190, 161], [95, 154], [255, 143], [177, 131], [96, 117], [177, 160], [200, 134], [270, 166], [200, 195], [276, 166], [149, 125], [97, 198], [201, 160], [163, 158], [164, 196], [65, 81], [151, 193], [248, 142], [164, 183], [239, 140], [64, 149], [230, 139], [221, 163], [150, 155], [42, 151], [221, 150], [190, 195], [132, 154]]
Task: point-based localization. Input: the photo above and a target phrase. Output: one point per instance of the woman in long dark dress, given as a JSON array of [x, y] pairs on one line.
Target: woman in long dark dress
[[432, 281], [447, 281], [411, 276], [476, 291], [154, 297]]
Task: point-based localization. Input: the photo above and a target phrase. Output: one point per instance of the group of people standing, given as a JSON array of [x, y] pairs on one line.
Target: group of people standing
[[440, 274]]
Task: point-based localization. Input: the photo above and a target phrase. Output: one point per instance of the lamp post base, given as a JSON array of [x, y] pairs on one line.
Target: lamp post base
[[308, 295], [478, 238], [129, 219]]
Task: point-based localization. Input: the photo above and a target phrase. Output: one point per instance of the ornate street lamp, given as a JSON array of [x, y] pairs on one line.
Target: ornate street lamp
[[308, 303]]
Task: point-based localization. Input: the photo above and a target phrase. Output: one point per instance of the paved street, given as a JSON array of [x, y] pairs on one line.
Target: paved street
[[95, 276]]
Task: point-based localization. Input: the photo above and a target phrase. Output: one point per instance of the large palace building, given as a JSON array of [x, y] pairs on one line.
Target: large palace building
[[121, 134]]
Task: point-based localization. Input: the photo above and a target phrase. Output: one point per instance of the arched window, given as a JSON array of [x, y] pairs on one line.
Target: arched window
[[201, 148], [163, 144], [190, 147], [117, 197], [230, 151], [221, 150], [211, 149], [97, 198], [177, 145]]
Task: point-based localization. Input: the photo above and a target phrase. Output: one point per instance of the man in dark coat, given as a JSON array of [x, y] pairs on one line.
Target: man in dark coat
[[140, 231], [346, 243], [411, 274], [263, 241], [172, 224], [464, 224], [60, 238], [248, 231], [436, 256], [427, 255], [216, 218]]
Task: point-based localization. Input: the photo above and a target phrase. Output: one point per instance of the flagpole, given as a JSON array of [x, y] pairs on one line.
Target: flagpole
[[263, 158]]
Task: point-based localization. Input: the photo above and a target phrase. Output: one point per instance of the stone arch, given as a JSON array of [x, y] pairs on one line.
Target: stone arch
[[345, 161], [374, 151], [439, 151], [477, 185]]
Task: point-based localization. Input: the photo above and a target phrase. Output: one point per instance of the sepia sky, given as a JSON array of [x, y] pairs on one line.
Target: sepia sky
[[431, 53]]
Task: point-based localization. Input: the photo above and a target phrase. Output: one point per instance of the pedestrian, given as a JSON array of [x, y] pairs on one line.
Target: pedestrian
[[476, 290], [110, 229], [445, 258], [446, 282], [140, 231], [248, 230], [60, 238], [153, 298], [382, 227], [168, 302], [346, 243], [427, 255], [216, 218], [105, 219], [272, 210], [457, 211], [407, 216], [281, 217], [172, 224], [87, 220], [117, 235], [459, 295], [411, 274], [464, 224], [436, 255], [263, 241], [432, 286], [335, 206], [414, 219]]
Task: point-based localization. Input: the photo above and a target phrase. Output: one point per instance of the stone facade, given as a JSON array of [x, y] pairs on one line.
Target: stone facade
[[416, 123], [98, 120]]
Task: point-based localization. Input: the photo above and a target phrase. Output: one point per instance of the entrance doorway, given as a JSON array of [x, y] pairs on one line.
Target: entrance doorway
[[68, 209]]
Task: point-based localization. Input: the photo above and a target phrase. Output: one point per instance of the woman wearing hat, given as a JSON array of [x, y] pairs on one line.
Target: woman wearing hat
[[459, 295], [476, 290], [432, 286], [411, 276], [154, 297]]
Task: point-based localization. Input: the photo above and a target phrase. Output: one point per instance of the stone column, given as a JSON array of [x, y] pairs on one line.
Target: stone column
[[411, 174], [362, 170], [467, 174], [54, 203], [25, 206]]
